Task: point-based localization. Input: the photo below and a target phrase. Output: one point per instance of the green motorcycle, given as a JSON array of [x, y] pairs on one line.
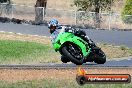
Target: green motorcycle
[[75, 49]]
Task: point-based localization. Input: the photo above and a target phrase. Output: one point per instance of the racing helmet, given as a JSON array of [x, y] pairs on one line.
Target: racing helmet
[[53, 24]]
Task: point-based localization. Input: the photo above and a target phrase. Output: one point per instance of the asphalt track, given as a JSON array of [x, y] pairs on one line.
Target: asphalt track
[[113, 37], [108, 64], [103, 36], [124, 63]]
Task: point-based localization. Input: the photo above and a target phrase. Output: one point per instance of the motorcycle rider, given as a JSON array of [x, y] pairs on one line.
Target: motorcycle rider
[[55, 28]]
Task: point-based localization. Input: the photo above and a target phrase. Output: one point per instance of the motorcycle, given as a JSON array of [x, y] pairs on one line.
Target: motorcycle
[[75, 49]]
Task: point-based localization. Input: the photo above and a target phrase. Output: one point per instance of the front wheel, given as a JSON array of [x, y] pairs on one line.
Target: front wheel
[[64, 59], [73, 53]]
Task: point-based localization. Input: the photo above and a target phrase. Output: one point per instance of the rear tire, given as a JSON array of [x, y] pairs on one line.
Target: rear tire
[[71, 57], [100, 57]]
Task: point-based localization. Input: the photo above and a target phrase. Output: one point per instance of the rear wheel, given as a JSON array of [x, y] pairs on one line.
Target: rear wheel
[[99, 57], [73, 53]]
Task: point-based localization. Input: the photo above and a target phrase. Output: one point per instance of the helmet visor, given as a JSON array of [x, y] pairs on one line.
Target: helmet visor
[[52, 27]]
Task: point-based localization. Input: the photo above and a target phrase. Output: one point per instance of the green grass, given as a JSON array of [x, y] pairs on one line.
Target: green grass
[[130, 50], [50, 83], [113, 51], [23, 52]]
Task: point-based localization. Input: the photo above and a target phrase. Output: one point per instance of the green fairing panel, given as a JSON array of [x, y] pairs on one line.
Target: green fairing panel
[[69, 37]]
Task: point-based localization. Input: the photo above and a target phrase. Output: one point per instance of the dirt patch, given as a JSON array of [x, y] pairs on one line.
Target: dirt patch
[[23, 75], [58, 4], [56, 74], [30, 38], [112, 51]]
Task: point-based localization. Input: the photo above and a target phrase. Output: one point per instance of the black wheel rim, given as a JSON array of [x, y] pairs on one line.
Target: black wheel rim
[[75, 51]]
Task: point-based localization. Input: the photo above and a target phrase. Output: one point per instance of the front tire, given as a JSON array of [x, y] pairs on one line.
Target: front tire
[[64, 59], [76, 58]]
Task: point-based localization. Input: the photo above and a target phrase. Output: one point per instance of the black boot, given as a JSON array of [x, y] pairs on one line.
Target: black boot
[[89, 41], [64, 59], [86, 39]]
